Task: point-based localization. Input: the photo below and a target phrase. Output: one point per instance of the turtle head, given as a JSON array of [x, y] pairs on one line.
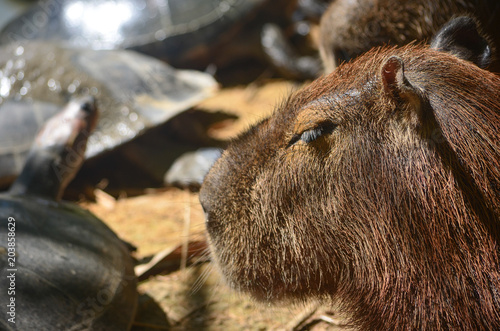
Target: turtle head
[[58, 151]]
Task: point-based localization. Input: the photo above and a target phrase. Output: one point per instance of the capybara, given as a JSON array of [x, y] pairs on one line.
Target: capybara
[[349, 28], [376, 187]]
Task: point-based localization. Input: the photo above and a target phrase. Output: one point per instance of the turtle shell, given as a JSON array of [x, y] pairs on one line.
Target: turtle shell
[[170, 30], [69, 270], [134, 92]]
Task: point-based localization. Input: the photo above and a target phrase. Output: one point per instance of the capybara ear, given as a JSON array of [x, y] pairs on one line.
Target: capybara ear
[[393, 78], [462, 38]]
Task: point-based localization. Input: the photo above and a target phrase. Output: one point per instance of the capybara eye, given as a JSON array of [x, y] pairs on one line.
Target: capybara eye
[[311, 135]]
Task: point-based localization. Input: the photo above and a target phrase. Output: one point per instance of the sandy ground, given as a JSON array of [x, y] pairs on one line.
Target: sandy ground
[[194, 297]]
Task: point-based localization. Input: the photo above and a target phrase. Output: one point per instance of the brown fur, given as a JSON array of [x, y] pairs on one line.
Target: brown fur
[[353, 27], [395, 214]]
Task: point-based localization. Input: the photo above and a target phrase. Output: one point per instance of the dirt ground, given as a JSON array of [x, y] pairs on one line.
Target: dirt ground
[[194, 297]]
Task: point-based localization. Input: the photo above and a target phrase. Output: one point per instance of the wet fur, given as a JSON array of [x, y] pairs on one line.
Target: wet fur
[[395, 214]]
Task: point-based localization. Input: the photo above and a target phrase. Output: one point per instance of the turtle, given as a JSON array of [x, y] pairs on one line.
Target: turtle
[[192, 34], [175, 30], [135, 92], [61, 267]]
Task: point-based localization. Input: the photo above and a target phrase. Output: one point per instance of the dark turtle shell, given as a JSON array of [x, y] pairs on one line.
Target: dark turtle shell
[[69, 270], [171, 30], [134, 92]]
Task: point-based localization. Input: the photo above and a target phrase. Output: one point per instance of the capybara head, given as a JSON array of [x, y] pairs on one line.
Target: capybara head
[[377, 187], [349, 28]]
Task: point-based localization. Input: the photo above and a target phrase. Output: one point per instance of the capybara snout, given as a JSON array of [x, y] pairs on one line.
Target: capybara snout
[[377, 187]]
